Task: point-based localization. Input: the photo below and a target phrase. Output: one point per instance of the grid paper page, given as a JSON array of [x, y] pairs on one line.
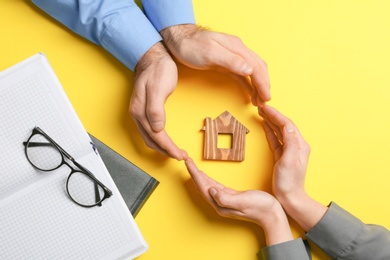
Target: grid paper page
[[21, 109], [86, 233]]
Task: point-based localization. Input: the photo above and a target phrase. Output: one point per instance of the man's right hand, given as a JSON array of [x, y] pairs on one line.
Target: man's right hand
[[155, 81]]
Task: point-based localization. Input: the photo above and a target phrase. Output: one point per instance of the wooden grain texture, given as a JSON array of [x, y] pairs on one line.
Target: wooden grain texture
[[224, 124]]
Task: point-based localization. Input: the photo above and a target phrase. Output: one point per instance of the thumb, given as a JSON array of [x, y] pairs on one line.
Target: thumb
[[232, 62], [155, 113], [224, 199]]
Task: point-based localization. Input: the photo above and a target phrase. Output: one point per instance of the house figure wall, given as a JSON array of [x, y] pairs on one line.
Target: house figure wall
[[224, 124]]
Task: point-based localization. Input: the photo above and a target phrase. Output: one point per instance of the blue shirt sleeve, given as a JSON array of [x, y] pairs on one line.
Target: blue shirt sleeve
[[119, 26], [166, 13]]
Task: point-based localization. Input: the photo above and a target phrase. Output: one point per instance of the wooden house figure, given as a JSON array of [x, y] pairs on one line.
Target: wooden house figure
[[225, 124]]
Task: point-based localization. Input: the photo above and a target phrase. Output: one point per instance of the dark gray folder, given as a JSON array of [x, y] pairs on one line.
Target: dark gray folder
[[134, 184]]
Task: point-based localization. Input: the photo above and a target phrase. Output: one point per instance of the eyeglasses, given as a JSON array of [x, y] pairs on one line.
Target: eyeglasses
[[82, 186]]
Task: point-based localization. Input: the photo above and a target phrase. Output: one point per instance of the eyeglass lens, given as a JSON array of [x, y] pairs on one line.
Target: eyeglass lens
[[83, 189], [43, 154]]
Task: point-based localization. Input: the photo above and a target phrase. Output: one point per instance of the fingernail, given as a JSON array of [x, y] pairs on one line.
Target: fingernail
[[157, 126], [213, 191], [246, 69], [185, 155], [262, 104], [260, 110], [186, 162], [289, 129]]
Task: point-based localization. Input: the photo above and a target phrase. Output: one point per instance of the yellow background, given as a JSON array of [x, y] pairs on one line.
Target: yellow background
[[329, 67]]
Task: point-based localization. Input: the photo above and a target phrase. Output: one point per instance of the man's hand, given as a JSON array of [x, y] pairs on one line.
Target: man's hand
[[253, 205], [205, 50], [155, 80]]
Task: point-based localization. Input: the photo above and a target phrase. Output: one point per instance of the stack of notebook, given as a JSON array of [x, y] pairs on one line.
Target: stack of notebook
[[134, 184]]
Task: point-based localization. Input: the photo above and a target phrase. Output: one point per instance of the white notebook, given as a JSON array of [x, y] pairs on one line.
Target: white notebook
[[37, 218]]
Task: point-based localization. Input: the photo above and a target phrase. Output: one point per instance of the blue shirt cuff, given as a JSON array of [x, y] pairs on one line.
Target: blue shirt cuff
[[129, 37], [166, 13]]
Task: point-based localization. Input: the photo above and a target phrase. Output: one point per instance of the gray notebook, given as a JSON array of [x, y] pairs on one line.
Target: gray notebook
[[134, 184]]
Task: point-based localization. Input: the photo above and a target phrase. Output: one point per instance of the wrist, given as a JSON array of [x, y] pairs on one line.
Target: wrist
[[156, 52], [290, 200], [173, 36], [306, 211], [276, 227]]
